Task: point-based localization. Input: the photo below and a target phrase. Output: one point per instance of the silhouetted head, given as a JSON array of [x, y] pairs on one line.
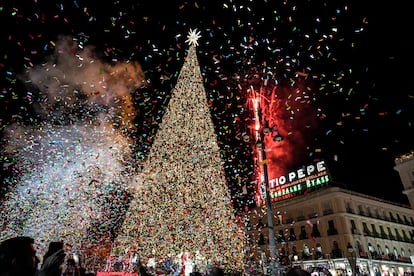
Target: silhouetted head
[[54, 246], [217, 271], [18, 256], [297, 271]]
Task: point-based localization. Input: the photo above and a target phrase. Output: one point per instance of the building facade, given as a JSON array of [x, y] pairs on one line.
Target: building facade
[[404, 165], [338, 230]]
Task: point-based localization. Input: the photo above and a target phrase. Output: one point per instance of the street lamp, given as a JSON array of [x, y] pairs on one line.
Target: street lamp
[[262, 128], [272, 244], [351, 258]]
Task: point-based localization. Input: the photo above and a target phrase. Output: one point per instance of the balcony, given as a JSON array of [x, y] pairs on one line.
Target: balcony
[[355, 231], [312, 215]]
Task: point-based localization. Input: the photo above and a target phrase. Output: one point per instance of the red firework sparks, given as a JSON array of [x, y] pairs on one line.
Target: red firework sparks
[[284, 115]]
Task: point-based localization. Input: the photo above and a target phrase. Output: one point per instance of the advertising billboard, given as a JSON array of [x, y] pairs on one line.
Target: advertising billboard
[[298, 182]]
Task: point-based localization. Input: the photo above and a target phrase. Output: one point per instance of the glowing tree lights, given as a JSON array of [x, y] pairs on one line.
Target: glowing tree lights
[[181, 205]]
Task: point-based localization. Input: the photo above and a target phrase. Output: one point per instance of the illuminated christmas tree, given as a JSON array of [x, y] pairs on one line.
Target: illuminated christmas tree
[[181, 203]]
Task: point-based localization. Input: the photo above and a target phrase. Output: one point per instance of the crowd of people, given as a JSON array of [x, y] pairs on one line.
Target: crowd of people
[[18, 257]]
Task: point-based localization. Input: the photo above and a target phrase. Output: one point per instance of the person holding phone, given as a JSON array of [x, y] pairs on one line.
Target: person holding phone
[[72, 268], [53, 260]]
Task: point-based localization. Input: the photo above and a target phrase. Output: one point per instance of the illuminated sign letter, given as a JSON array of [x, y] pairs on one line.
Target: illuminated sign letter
[[292, 176]]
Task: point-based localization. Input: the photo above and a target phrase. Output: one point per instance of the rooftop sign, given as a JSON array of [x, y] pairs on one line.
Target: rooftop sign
[[298, 182]]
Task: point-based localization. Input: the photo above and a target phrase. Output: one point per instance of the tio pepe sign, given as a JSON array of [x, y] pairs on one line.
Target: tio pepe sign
[[297, 182]]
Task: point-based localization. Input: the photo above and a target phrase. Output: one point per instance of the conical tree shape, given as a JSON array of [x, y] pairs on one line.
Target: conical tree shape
[[181, 202]]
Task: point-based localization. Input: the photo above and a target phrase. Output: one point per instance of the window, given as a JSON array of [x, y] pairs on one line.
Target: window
[[395, 252], [315, 230], [392, 217], [292, 236], [361, 210], [412, 175], [303, 235], [353, 226], [318, 253], [399, 219], [336, 251], [354, 229], [360, 249], [390, 235], [318, 247], [405, 237], [397, 234], [369, 212], [331, 228], [372, 251], [383, 234], [306, 251], [370, 247], [366, 230], [374, 230], [349, 208], [406, 220], [379, 249]]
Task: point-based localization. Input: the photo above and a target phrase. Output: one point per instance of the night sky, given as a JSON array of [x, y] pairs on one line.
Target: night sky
[[351, 61]]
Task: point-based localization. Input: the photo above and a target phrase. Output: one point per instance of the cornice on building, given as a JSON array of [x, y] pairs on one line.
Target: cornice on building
[[329, 190], [404, 158]]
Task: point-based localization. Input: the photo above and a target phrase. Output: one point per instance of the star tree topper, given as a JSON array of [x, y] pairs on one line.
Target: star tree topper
[[192, 37]]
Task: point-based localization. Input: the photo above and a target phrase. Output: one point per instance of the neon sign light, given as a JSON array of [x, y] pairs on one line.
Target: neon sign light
[[297, 182]]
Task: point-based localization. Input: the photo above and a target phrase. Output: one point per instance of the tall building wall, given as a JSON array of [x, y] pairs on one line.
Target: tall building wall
[[330, 221], [405, 167]]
